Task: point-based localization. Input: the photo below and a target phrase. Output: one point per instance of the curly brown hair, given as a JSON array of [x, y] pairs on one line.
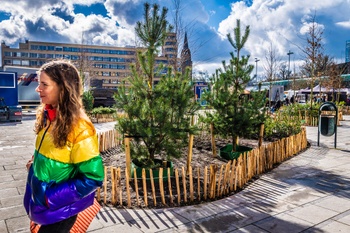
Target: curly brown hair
[[69, 107]]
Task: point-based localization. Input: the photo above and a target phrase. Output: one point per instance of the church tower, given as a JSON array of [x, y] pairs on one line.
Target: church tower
[[186, 60]]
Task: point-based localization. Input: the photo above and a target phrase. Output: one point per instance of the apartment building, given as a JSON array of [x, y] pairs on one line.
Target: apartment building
[[106, 66]]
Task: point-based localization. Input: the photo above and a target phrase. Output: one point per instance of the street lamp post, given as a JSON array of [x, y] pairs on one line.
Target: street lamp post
[[256, 68], [290, 53]]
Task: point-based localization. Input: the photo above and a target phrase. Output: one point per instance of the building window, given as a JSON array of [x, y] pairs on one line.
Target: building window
[[67, 49], [25, 63], [74, 49], [7, 62], [33, 55], [41, 55], [34, 47], [33, 63], [51, 48], [50, 56], [59, 48], [24, 54], [74, 57], [8, 54], [16, 62]]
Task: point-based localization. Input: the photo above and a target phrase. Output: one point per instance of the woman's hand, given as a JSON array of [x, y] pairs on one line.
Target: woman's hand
[[29, 163]]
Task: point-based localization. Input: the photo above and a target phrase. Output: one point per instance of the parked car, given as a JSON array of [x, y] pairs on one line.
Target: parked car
[[9, 113]]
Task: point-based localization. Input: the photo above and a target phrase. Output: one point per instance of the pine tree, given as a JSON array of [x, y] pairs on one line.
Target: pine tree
[[157, 115], [236, 114]]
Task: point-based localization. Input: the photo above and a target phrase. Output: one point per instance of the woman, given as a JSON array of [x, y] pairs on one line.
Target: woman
[[66, 168]]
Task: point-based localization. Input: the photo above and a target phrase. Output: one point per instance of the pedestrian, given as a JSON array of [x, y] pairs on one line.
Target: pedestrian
[[66, 167]]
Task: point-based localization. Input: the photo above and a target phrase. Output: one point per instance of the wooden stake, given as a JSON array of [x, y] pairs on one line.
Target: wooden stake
[[170, 188], [205, 183], [261, 134], [136, 188], [190, 148], [184, 184], [153, 188], [198, 184], [127, 175], [127, 155], [119, 176], [145, 199], [113, 185], [190, 177], [177, 186], [161, 186], [219, 181], [213, 145], [105, 186]]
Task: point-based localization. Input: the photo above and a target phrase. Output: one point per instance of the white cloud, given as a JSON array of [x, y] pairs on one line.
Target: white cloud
[[283, 22], [344, 24]]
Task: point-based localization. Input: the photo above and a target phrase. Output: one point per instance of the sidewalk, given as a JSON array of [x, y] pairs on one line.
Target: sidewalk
[[308, 193]]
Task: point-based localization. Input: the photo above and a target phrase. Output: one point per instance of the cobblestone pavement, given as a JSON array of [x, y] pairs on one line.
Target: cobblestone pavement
[[308, 193]]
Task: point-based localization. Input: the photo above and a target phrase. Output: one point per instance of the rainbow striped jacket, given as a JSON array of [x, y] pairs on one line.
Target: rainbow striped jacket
[[62, 181]]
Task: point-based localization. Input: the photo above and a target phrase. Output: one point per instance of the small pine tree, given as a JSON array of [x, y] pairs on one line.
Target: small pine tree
[[236, 113], [157, 115]]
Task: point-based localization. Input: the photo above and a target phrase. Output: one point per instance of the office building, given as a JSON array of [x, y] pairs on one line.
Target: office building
[[105, 66]]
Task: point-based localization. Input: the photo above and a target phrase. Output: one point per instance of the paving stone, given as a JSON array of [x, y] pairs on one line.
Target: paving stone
[[18, 225], [3, 227], [283, 223], [8, 201], [338, 204], [12, 212], [312, 213]]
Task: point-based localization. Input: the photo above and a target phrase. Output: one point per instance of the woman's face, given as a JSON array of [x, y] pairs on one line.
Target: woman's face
[[48, 90]]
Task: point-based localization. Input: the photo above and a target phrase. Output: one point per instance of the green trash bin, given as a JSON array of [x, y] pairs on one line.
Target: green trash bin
[[327, 120]]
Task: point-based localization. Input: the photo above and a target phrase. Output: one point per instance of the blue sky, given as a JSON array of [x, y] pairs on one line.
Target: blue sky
[[280, 23]]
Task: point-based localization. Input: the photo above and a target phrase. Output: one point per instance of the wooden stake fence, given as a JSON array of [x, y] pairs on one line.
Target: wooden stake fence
[[204, 184]]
